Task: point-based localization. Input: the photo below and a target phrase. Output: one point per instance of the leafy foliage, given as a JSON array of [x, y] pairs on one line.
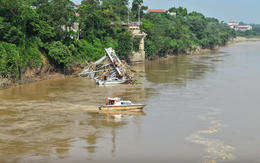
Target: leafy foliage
[[9, 59], [60, 53], [26, 33], [124, 44]]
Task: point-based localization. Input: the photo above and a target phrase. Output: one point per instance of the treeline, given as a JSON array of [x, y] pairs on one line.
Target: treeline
[[185, 31], [26, 34]]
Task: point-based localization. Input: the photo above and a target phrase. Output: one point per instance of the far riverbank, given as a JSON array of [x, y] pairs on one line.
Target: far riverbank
[[242, 39]]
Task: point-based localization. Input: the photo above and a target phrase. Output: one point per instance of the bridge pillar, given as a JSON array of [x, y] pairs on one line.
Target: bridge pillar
[[140, 55], [141, 45]]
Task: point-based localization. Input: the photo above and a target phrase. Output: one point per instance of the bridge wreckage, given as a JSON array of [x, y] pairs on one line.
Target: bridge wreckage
[[109, 70]]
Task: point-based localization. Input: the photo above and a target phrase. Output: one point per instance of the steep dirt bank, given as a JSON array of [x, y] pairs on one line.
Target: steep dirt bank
[[46, 71], [4, 83]]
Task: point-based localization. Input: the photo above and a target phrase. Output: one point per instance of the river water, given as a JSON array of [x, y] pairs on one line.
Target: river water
[[201, 108]]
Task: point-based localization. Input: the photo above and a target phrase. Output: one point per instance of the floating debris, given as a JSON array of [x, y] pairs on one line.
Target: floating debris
[[109, 69], [217, 150]]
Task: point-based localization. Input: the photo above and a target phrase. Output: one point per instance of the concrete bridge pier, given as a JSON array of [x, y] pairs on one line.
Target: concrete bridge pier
[[141, 45], [140, 55]]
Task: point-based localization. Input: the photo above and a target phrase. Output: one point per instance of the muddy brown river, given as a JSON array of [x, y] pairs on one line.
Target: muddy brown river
[[203, 108]]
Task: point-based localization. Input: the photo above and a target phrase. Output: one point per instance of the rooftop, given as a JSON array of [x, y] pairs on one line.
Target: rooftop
[[76, 6], [243, 27], [155, 10]]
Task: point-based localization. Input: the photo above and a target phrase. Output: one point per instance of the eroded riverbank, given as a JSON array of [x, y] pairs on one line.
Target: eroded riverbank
[[46, 71]]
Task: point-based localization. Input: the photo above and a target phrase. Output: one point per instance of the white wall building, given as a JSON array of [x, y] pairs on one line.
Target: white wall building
[[233, 25], [236, 27], [245, 27]]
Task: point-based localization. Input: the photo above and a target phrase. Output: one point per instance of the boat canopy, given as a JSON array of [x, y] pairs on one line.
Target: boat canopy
[[114, 99]]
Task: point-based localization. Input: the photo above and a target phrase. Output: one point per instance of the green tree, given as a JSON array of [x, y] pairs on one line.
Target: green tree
[[197, 24], [60, 16], [9, 59], [60, 53], [147, 27], [93, 4], [135, 9], [12, 5], [124, 44], [149, 47], [179, 11], [120, 7], [3, 70]]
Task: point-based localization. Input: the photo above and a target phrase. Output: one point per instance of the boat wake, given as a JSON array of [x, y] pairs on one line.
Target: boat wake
[[216, 149]]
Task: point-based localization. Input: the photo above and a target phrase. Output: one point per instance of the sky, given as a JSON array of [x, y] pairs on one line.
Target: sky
[[247, 11]]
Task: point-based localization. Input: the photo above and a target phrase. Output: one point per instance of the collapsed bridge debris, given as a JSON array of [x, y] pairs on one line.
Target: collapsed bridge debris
[[109, 69]]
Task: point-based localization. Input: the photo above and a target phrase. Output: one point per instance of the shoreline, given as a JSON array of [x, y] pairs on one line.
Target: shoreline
[[30, 75], [242, 39]]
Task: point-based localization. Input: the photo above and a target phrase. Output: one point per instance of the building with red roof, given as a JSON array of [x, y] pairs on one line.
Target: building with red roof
[[152, 11], [75, 6], [233, 25], [244, 27]]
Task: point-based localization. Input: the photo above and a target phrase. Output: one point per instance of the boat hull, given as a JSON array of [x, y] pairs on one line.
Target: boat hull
[[108, 112], [100, 82], [121, 108]]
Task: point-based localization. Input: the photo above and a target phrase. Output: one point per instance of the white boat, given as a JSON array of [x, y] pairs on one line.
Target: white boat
[[110, 81], [117, 104]]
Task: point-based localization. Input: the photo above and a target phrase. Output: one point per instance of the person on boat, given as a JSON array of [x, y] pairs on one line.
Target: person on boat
[[113, 102], [115, 63], [121, 76], [106, 102], [101, 78], [105, 77]]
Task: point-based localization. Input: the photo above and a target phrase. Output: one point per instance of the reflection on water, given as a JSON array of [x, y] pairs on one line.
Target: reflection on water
[[58, 120], [117, 116], [180, 69]]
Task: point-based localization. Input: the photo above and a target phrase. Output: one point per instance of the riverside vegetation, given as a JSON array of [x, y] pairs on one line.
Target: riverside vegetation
[[31, 37]]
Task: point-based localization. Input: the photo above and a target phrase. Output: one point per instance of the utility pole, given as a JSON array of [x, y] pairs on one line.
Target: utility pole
[[138, 14], [128, 10], [139, 7]]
